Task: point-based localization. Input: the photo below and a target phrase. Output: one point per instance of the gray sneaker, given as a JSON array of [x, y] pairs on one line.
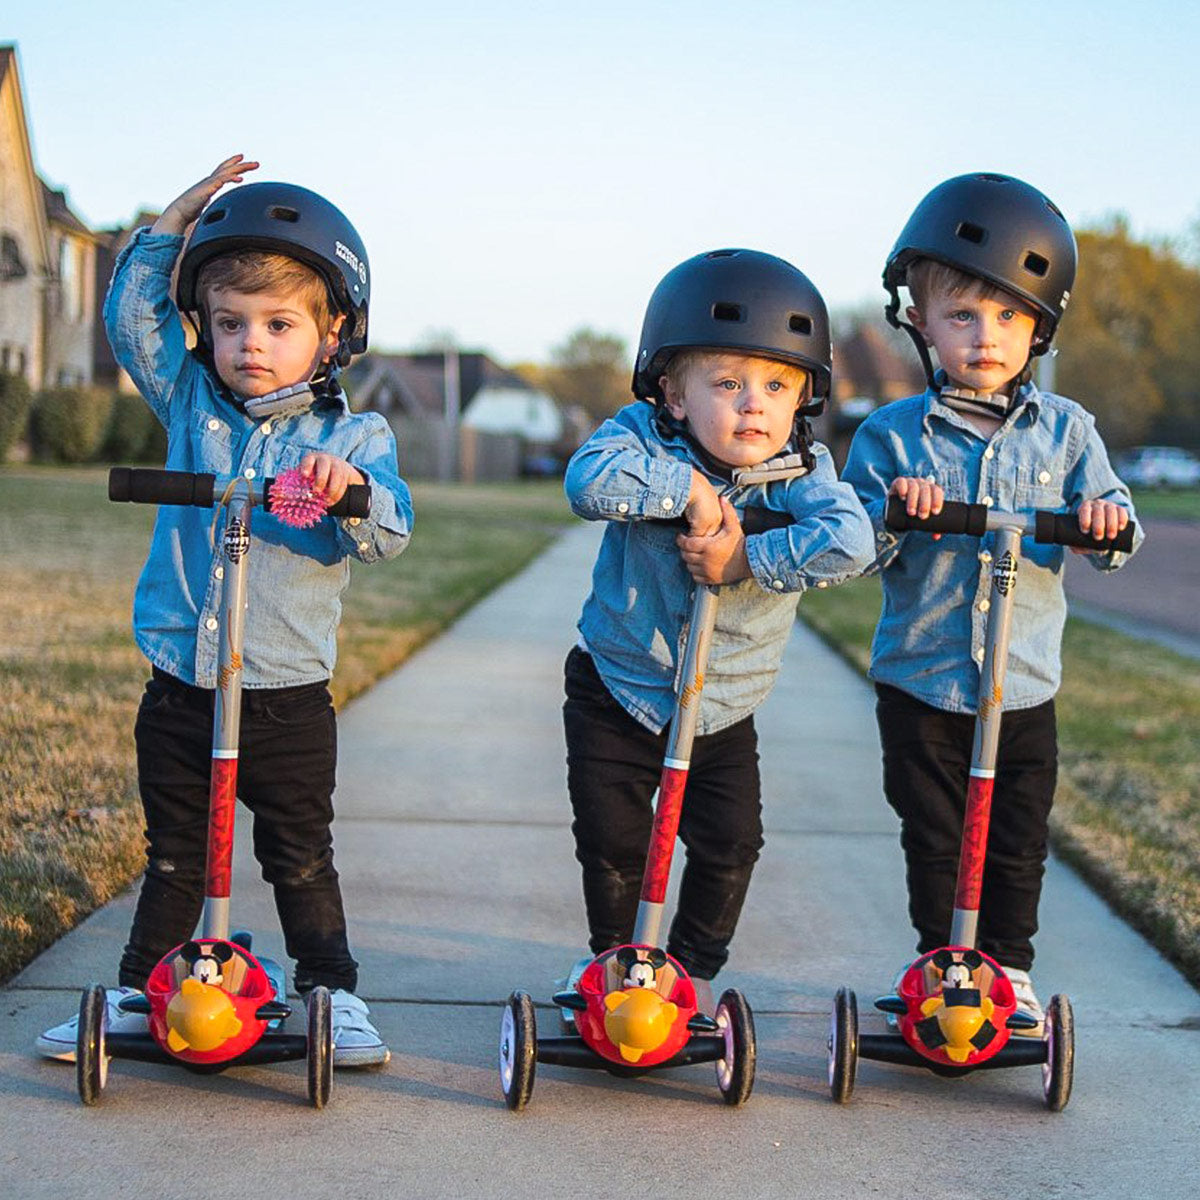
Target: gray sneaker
[[59, 1040], [1027, 1002], [356, 1042]]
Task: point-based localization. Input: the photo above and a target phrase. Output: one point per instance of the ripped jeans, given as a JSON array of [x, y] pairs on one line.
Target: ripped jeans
[[288, 755]]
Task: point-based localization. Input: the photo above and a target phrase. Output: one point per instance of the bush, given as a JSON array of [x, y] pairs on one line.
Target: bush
[[14, 411], [69, 424], [129, 429]]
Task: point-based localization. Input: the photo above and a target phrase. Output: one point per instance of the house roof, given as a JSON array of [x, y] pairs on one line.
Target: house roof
[[57, 211], [417, 382], [868, 358]]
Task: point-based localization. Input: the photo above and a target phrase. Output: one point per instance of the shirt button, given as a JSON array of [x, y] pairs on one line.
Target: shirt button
[[777, 584], [985, 557], [984, 605], [1043, 477], [989, 453], [354, 521], [988, 501], [931, 478], [249, 472], [213, 423], [979, 654], [822, 583], [220, 572], [211, 623], [364, 547], [266, 427], [668, 503], [622, 507]]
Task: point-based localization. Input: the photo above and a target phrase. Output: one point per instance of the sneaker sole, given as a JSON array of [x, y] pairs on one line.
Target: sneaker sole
[[369, 1056], [58, 1051]]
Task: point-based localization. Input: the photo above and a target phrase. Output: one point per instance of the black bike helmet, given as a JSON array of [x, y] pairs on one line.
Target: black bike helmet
[[740, 300], [282, 218], [1000, 229]]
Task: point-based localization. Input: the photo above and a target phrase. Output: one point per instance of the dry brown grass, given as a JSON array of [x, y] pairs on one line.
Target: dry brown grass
[[70, 827]]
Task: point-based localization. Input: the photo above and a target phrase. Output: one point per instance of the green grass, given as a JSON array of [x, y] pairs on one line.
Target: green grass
[[1127, 809], [1183, 505], [70, 827]]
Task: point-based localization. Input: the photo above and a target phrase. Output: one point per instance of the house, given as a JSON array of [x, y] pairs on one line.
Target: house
[[47, 259]]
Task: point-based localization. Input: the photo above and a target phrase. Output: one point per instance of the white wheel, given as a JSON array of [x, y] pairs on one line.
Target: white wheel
[[843, 1045], [735, 1072], [518, 1050], [1058, 1071]]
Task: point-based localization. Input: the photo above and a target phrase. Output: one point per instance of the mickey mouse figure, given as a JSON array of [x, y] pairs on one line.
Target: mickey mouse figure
[[206, 964], [641, 966]]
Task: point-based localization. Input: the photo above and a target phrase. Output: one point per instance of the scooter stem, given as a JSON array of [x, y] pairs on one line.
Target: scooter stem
[[227, 712], [973, 852], [669, 802]]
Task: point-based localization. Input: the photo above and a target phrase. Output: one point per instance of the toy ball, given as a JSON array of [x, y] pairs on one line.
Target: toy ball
[[295, 501]]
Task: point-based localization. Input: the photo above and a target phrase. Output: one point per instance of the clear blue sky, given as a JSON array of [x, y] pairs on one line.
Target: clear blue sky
[[520, 169]]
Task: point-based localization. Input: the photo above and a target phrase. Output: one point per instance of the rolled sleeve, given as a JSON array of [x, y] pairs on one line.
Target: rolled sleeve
[[385, 531]]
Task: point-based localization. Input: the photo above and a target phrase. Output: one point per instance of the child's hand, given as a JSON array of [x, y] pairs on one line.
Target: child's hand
[[1102, 519], [332, 475], [922, 498], [719, 557], [184, 209], [703, 511]]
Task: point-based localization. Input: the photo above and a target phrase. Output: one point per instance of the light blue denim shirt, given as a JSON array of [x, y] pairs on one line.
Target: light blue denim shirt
[[930, 638], [634, 622], [296, 576]]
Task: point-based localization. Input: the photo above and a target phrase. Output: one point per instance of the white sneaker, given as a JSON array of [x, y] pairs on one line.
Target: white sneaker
[[1027, 1002], [356, 1042], [59, 1042]]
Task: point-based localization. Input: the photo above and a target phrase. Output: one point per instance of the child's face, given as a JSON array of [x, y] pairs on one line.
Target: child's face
[[739, 408], [982, 343], [264, 341]]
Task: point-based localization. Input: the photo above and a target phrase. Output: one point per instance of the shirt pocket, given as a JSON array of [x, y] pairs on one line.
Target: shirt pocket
[[214, 441], [952, 480], [1040, 486]]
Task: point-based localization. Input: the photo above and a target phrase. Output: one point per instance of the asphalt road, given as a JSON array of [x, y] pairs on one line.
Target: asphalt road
[[456, 857]]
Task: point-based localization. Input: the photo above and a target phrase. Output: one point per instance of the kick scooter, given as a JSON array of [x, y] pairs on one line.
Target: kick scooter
[[635, 1007], [211, 1003], [955, 1007]]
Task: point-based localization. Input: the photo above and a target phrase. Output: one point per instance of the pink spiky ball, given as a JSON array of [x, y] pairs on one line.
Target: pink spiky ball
[[295, 501]]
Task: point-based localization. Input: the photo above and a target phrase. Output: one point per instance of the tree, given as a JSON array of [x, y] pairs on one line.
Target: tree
[[592, 371], [1130, 340]]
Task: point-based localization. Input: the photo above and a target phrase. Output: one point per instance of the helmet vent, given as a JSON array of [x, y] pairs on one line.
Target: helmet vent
[[213, 216], [280, 212], [1036, 264], [799, 323], [970, 232], [724, 311]]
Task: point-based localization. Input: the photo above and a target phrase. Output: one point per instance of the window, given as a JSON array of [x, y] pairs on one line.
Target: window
[[11, 266]]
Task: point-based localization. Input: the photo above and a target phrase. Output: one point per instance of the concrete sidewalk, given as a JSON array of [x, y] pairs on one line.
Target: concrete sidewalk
[[456, 857]]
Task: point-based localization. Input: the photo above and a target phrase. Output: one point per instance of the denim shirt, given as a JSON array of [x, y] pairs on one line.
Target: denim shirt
[[930, 638], [296, 576], [633, 476]]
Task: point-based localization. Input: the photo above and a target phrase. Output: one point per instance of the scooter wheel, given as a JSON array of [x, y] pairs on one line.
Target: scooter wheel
[[320, 1046], [1058, 1071], [735, 1072], [518, 1050], [91, 1062], [843, 1045]]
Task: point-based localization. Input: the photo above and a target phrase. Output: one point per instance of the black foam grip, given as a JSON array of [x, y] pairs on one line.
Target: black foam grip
[[754, 519], [145, 485], [955, 517], [1062, 529], [356, 502]]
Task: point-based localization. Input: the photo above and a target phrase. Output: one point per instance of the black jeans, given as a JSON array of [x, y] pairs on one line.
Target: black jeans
[[287, 760], [926, 766], [613, 768]]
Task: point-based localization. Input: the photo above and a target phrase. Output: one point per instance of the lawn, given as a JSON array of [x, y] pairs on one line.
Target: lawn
[[1180, 505], [1127, 809], [70, 828]]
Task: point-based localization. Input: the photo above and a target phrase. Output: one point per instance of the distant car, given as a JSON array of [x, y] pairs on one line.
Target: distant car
[[1159, 467]]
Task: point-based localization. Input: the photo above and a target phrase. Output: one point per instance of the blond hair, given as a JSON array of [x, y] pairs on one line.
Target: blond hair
[[255, 271], [682, 362]]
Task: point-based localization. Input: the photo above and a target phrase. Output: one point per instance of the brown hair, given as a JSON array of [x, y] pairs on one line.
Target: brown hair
[[254, 271], [927, 277], [683, 361]]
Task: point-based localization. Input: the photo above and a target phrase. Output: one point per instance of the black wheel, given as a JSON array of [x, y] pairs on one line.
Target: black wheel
[[735, 1072], [843, 1046], [91, 1063], [320, 1046], [1058, 1070], [518, 1050]]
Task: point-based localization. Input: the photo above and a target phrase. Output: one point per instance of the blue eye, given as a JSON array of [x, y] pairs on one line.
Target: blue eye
[[729, 385]]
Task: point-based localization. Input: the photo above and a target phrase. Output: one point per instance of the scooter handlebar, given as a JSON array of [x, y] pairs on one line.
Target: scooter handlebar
[[1049, 528], [147, 485], [754, 519]]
